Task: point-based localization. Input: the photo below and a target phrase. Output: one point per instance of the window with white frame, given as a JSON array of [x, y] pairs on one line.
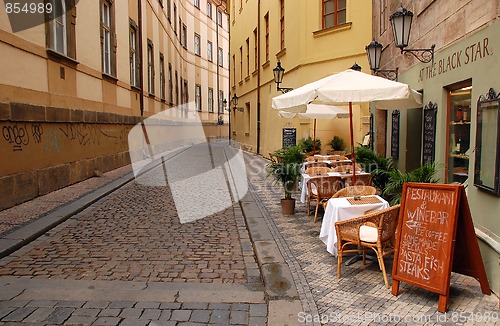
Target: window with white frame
[[197, 3], [197, 97], [219, 17], [197, 49], [210, 99], [184, 36], [209, 9], [220, 57], [60, 28], [209, 51], [134, 55], [169, 11], [162, 77], [59, 41], [175, 19], [151, 70], [170, 84], [107, 38], [221, 98]]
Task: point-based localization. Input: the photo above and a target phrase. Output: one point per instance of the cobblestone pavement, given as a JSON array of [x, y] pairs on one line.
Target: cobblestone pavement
[[360, 296], [128, 260]]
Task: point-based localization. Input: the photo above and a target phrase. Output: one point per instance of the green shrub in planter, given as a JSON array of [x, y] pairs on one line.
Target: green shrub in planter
[[287, 170]]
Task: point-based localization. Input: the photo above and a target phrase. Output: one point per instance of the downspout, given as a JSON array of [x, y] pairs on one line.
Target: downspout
[[258, 78], [141, 71]]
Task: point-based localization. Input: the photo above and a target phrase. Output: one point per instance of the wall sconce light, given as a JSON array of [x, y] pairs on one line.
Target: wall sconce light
[[234, 101], [356, 67], [401, 25], [374, 52], [279, 72]]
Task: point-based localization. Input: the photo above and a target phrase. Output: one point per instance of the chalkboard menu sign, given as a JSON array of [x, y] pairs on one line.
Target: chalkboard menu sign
[[289, 137], [431, 216], [429, 143], [395, 135]]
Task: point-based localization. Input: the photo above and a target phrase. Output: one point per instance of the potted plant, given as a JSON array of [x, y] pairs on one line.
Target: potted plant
[[307, 145], [337, 144], [286, 171]]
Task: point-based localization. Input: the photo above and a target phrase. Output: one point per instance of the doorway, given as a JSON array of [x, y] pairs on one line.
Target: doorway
[[458, 136]]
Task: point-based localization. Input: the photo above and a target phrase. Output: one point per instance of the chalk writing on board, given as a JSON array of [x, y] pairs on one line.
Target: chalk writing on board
[[289, 137], [430, 112], [395, 134], [426, 225]]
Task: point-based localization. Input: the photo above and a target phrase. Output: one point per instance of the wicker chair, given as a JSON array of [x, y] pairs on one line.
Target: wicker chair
[[336, 158], [374, 231], [364, 179], [321, 189], [308, 165], [315, 158], [351, 191], [348, 167], [318, 170]]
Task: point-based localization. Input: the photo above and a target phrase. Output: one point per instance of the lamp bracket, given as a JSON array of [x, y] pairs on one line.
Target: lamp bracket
[[422, 55], [284, 89], [391, 74]]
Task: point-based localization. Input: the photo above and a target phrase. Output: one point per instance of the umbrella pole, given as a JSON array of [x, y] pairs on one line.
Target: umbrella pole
[[314, 140], [352, 146]]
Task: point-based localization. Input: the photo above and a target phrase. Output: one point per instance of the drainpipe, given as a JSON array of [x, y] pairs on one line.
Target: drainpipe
[[141, 71], [258, 78]]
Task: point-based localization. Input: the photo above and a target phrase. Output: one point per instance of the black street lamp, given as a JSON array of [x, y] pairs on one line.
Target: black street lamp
[[279, 72], [374, 52], [401, 26], [234, 101]]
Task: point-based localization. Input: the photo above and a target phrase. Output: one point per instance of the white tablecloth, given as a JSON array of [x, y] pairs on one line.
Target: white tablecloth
[[339, 209]]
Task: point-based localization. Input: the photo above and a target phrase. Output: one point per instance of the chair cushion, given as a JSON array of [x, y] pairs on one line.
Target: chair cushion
[[314, 190], [368, 233]]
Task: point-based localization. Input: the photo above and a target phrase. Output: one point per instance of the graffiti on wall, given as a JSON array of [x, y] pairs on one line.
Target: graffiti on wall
[[18, 135], [21, 135]]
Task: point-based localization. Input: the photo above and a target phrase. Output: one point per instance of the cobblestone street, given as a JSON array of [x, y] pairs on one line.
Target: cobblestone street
[[127, 259]]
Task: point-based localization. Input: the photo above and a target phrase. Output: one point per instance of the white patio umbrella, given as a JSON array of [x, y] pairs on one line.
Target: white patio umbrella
[[317, 111], [346, 88]]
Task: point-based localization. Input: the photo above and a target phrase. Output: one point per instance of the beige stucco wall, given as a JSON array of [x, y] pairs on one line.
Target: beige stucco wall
[[310, 54], [31, 85]]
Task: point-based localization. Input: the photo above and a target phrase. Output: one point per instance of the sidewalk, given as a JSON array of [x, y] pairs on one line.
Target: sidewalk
[[299, 275]]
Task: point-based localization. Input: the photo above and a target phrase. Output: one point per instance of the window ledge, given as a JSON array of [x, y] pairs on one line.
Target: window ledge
[[151, 95], [255, 72], [135, 88], [109, 78], [266, 64], [331, 30], [281, 53], [247, 133], [61, 58], [240, 83], [247, 78]]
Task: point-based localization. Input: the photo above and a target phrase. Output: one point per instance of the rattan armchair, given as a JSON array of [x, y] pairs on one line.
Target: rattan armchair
[[320, 189], [318, 170], [364, 179], [375, 231], [352, 191], [348, 168], [315, 164]]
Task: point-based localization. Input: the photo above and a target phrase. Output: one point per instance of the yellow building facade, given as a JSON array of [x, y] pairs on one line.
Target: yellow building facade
[[311, 39], [450, 129], [76, 81]]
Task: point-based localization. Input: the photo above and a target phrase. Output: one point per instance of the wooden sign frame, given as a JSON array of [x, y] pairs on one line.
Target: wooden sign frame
[[427, 246]]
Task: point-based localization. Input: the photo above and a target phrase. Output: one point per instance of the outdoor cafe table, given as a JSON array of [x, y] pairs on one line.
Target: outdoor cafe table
[[340, 209], [306, 177], [330, 163]]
